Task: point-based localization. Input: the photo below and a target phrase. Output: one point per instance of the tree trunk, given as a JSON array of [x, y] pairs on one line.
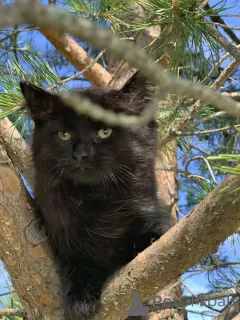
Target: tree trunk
[[167, 181]]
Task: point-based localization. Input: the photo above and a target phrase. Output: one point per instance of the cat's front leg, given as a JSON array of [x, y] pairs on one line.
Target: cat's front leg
[[81, 287]]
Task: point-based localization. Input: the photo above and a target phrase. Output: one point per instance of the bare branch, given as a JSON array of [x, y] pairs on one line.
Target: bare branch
[[210, 117], [217, 19], [12, 312], [207, 163], [198, 133], [217, 65], [225, 74], [78, 73], [201, 298]]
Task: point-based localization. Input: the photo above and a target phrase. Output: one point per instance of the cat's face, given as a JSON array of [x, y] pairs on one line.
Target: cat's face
[[73, 147]]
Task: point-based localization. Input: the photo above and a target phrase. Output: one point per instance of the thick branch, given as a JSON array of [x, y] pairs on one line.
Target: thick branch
[[17, 149], [186, 243], [23, 250], [77, 56]]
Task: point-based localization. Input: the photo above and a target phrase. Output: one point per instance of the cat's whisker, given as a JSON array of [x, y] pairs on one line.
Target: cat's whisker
[[125, 173], [115, 180]]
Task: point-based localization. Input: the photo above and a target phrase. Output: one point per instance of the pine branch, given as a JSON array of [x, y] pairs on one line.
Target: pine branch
[[225, 74], [217, 65], [60, 83], [77, 56], [228, 46], [219, 20], [210, 117], [51, 17], [210, 131]]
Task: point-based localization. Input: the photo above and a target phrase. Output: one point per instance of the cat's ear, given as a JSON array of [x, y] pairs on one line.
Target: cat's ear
[[39, 101], [136, 93]]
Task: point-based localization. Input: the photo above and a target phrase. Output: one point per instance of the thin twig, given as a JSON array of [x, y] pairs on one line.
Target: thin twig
[[217, 65], [207, 163], [227, 45], [217, 19], [199, 149], [225, 26], [216, 266], [204, 303], [116, 73], [193, 176], [14, 32], [198, 104], [210, 117], [198, 133], [225, 74], [60, 83]]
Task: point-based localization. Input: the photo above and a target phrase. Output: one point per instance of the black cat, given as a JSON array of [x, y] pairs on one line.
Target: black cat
[[95, 186]]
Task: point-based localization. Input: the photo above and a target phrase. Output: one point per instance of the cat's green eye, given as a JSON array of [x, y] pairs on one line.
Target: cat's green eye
[[104, 133], [64, 135]]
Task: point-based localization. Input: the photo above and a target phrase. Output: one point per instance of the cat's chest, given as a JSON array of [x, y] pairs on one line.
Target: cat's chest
[[96, 217]]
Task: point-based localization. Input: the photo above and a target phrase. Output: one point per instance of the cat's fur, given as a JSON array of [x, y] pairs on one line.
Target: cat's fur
[[98, 218]]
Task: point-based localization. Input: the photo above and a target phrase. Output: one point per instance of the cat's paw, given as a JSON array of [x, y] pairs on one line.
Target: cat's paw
[[82, 310]]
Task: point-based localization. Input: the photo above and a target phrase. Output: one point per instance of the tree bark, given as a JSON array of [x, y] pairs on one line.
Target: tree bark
[[187, 242], [23, 250], [17, 149]]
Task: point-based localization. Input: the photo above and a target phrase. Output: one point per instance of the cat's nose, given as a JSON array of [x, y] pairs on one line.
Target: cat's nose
[[80, 156]]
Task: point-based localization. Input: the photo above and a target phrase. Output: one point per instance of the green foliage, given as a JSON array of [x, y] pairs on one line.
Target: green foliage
[[12, 302], [103, 12], [198, 191], [185, 31], [32, 69], [234, 159]]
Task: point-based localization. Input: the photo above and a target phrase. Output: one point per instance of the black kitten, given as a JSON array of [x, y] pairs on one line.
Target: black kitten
[[95, 187]]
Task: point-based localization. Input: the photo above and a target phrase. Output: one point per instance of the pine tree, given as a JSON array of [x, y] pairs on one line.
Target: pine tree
[[196, 141]]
